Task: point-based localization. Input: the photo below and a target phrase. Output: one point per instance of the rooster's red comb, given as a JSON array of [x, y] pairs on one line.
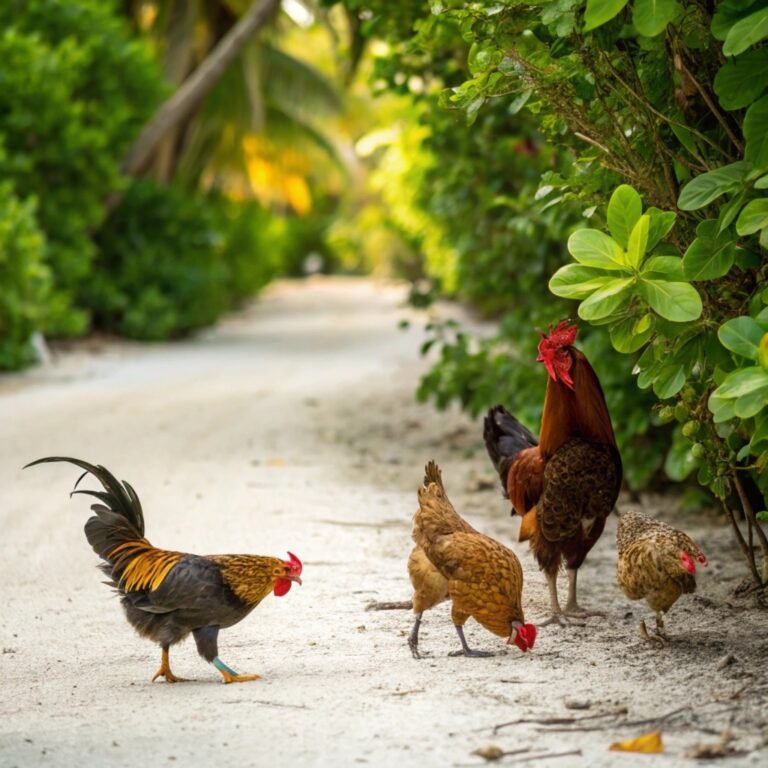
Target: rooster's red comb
[[562, 335]]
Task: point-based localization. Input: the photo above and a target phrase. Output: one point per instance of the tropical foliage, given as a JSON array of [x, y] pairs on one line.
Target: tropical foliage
[[659, 117]]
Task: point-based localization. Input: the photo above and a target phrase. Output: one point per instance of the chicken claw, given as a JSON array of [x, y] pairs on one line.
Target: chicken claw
[[229, 675], [659, 639], [165, 670], [465, 649]]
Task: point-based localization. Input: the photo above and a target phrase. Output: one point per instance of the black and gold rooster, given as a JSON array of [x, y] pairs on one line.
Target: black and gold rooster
[[168, 595]]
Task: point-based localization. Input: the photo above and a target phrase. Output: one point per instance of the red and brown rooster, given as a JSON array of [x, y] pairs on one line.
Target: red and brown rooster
[[168, 595], [565, 485]]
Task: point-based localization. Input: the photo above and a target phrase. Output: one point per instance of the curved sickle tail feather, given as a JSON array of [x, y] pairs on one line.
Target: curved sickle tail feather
[[116, 532]]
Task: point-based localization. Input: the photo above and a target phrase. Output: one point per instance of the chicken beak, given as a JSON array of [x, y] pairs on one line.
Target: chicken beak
[[297, 579]]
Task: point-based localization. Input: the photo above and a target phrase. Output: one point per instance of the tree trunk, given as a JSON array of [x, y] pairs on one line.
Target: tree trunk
[[196, 86]]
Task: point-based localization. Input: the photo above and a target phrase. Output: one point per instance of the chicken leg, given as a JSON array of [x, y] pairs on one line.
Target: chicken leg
[[572, 607], [165, 669], [229, 674], [465, 649]]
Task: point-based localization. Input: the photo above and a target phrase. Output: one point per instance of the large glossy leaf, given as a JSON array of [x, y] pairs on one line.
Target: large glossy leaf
[[664, 268], [574, 281], [744, 381], [756, 133], [706, 187], [710, 255], [638, 242], [594, 248], [751, 404], [746, 33], [679, 302], [600, 11], [669, 381], [661, 223], [741, 80], [604, 302], [624, 210], [651, 17], [753, 217], [742, 336], [626, 337]]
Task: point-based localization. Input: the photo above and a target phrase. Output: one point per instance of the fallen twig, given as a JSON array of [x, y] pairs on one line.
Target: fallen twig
[[563, 720], [546, 756], [403, 605], [407, 693], [267, 703]]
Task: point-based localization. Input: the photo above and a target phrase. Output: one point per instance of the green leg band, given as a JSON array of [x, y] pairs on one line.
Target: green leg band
[[222, 667]]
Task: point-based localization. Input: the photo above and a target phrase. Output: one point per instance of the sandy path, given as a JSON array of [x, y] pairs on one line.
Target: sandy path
[[293, 426]]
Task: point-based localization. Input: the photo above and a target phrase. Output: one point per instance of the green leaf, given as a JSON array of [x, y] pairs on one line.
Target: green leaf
[[664, 267], [679, 462], [741, 80], [753, 217], [710, 255], [749, 405], [730, 211], [626, 337], [600, 11], [669, 381], [762, 182], [722, 409], [651, 17], [746, 33], [679, 302], [706, 187], [604, 302], [638, 242], [743, 381], [594, 248], [574, 281], [624, 210], [661, 223], [741, 335], [756, 133]]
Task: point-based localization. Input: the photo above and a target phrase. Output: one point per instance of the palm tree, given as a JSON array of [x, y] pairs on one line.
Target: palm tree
[[244, 115]]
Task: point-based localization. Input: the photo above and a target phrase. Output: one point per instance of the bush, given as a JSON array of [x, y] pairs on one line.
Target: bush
[[74, 90], [23, 276], [171, 261]]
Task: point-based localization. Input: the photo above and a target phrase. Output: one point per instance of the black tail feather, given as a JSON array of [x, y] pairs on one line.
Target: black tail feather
[[504, 438], [120, 498]]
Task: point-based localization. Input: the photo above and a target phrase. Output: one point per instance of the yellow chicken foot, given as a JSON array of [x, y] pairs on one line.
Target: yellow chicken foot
[[572, 607], [413, 638], [165, 670], [229, 675], [465, 649]]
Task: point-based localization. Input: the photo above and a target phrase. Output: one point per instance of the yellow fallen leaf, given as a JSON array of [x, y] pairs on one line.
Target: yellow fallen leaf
[[648, 742]]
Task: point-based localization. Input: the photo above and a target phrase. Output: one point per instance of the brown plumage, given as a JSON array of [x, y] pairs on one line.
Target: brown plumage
[[656, 562], [451, 559], [169, 595], [566, 484]]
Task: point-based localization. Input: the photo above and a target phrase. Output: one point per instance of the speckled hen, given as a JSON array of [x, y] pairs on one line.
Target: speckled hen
[[656, 562]]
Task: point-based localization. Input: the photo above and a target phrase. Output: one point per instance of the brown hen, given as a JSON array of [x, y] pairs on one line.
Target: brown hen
[[482, 577], [656, 562]]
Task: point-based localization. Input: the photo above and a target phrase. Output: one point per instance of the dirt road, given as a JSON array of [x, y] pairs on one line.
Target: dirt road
[[293, 426]]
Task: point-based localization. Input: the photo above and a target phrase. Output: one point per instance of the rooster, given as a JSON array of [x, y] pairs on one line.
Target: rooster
[[656, 562], [168, 595], [482, 577], [566, 484]]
